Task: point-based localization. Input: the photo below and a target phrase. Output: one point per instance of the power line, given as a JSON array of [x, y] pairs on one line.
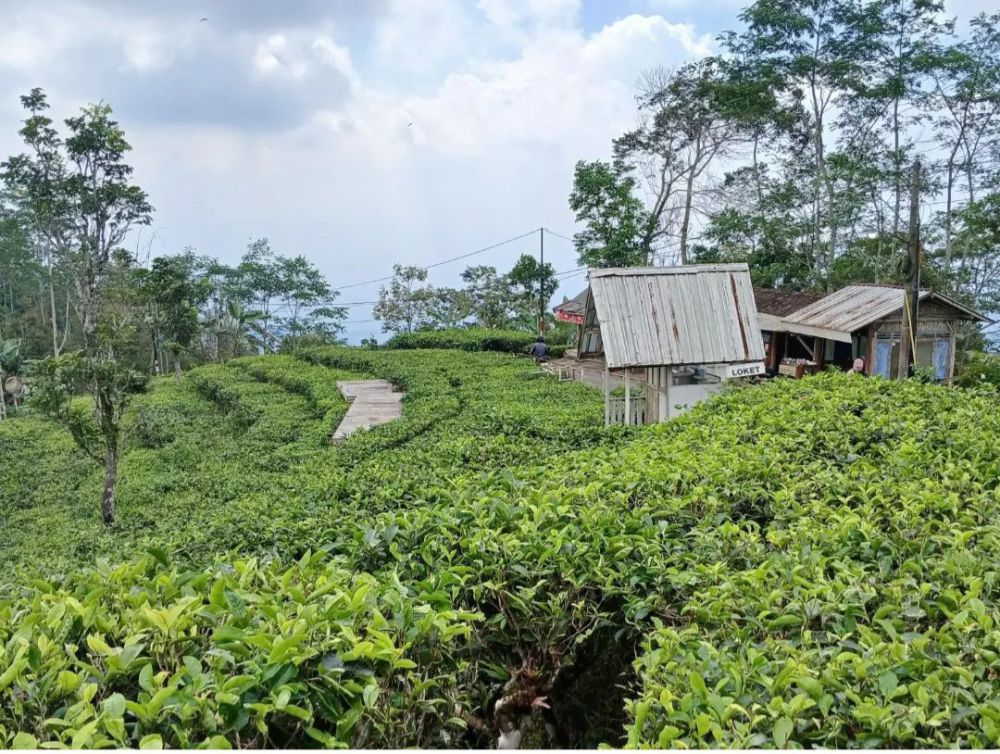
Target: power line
[[559, 235], [443, 261]]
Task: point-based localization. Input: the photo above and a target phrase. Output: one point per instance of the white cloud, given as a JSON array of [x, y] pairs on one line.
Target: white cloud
[[419, 37], [461, 127], [338, 58], [274, 56], [515, 13], [565, 91]]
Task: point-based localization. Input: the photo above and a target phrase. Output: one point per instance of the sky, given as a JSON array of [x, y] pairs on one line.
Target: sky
[[357, 133]]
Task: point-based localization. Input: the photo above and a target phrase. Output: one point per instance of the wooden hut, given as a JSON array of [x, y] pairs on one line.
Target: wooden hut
[[680, 330], [859, 321]]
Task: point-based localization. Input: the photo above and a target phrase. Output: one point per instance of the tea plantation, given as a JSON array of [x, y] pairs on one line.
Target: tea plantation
[[806, 563]]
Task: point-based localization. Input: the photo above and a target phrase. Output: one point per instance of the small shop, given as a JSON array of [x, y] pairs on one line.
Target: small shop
[[859, 322], [674, 334]]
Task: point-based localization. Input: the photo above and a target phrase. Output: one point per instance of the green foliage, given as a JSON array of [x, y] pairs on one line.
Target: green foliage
[[800, 562], [248, 653], [404, 305], [472, 339], [979, 370], [615, 219]]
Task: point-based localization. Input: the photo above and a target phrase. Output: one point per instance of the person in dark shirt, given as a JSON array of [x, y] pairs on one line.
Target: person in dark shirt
[[539, 350]]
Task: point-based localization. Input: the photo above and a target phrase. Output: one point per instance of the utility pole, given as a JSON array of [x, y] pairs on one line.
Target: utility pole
[[541, 281], [911, 294]]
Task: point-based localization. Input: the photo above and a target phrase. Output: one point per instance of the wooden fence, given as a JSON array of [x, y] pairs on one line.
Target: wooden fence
[[616, 409]]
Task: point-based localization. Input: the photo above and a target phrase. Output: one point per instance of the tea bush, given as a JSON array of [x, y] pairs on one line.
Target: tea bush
[[246, 653], [796, 563], [979, 370], [473, 339]]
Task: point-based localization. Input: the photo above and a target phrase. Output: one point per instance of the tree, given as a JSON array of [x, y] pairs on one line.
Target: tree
[[35, 182], [966, 101], [448, 307], [683, 130], [257, 283], [532, 286], [97, 206], [403, 306], [614, 218], [814, 53], [977, 246], [175, 292], [489, 295], [237, 323], [901, 37], [305, 296]]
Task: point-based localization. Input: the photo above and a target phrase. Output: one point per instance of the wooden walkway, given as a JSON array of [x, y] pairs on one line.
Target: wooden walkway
[[372, 402]]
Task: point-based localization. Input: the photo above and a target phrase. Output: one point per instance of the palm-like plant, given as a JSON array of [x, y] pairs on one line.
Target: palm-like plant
[[237, 322]]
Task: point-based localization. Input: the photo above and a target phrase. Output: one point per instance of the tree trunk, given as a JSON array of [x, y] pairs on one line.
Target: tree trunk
[[686, 221], [66, 324], [897, 164], [947, 213], [52, 308], [177, 367], [756, 169], [110, 482]]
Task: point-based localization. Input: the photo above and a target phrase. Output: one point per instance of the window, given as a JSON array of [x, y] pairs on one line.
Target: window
[[936, 353]]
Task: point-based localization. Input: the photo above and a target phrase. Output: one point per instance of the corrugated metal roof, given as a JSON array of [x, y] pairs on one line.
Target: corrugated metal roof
[[573, 305], [781, 302], [858, 306], [695, 314]]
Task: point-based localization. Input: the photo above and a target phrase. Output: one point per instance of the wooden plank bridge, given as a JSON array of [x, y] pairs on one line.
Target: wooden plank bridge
[[372, 402]]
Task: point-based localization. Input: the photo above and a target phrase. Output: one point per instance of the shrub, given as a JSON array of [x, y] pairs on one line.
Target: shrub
[[473, 339], [793, 563], [980, 370], [243, 654]]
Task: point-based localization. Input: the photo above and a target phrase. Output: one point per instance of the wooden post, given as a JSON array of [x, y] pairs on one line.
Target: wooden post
[[870, 350], [607, 397], [911, 295], [666, 390], [951, 354], [628, 395]]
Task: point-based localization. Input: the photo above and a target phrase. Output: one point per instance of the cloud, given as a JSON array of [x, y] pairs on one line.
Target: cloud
[[565, 89], [411, 132], [508, 14]]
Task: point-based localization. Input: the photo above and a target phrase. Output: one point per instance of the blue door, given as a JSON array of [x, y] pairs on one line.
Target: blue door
[[883, 351], [942, 357]]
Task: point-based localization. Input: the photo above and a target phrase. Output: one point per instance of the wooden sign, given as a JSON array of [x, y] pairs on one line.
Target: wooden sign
[[576, 319]]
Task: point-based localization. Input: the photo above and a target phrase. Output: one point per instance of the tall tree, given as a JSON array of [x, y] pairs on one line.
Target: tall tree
[[35, 181], [614, 218], [175, 292], [532, 285], [489, 295], [965, 100], [101, 206], [683, 131], [306, 299], [403, 306], [258, 285], [815, 52]]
